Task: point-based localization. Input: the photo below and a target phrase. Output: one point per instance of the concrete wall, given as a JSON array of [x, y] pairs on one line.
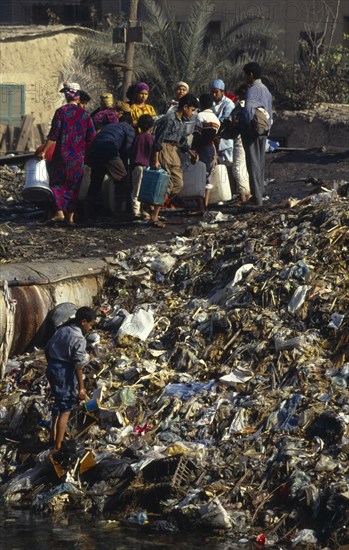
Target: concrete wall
[[289, 15], [36, 60], [327, 125]]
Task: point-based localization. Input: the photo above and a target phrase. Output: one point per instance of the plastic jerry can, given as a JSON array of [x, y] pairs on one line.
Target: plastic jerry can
[[219, 180], [37, 186], [115, 195], [154, 186], [194, 179]]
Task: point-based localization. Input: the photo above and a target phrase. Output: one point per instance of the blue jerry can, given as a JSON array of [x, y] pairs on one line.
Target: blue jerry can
[[154, 186]]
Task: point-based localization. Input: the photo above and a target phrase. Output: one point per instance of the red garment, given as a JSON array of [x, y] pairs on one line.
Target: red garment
[[71, 129], [49, 152], [232, 96]]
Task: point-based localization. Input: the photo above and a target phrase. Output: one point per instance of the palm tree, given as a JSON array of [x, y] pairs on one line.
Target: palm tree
[[175, 51], [97, 64]]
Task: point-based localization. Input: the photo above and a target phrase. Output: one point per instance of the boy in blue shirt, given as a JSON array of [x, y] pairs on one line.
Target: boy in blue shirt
[[66, 356]]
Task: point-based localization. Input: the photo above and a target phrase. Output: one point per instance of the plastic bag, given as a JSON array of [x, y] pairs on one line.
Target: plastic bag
[[185, 391], [137, 325]]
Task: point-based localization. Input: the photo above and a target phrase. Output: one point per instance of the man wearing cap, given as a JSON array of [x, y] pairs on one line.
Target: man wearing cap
[[181, 88], [222, 107]]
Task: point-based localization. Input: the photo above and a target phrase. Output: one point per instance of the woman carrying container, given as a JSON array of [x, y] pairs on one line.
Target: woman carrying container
[[72, 128]]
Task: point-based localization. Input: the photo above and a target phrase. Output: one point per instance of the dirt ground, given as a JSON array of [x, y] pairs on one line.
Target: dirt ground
[[24, 236]]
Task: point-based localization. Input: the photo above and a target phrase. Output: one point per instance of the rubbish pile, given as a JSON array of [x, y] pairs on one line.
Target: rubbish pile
[[11, 183], [218, 388]]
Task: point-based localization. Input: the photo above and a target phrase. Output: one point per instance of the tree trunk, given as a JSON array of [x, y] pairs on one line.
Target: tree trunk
[[130, 48]]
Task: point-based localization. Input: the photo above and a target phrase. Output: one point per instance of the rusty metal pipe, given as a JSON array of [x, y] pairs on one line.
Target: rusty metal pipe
[[37, 288]]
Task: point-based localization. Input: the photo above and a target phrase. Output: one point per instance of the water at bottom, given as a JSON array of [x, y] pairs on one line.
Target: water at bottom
[[24, 530]]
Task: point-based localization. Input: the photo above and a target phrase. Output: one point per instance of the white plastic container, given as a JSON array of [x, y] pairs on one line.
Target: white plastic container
[[113, 201], [219, 180], [194, 179], [37, 183]]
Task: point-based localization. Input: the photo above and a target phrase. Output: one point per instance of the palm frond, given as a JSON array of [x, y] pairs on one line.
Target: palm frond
[[98, 49], [161, 36], [192, 35], [174, 51]]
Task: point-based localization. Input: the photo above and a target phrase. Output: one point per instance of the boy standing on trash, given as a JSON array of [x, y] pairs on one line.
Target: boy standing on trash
[[169, 137], [66, 356]]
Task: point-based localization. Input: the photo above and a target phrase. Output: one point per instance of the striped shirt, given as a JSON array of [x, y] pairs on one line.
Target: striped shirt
[[207, 126]]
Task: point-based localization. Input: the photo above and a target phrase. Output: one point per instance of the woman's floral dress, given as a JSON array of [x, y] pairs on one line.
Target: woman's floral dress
[[72, 128]]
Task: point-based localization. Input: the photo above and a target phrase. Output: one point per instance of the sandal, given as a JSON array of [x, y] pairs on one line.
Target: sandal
[[157, 223]]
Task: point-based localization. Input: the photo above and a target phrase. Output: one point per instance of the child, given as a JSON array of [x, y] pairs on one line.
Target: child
[[66, 356], [206, 128], [169, 137], [140, 158]]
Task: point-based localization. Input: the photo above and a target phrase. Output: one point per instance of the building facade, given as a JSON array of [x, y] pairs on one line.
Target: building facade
[[294, 18]]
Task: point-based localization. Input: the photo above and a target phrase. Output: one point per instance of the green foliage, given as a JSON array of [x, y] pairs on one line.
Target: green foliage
[[320, 78], [175, 51], [96, 64]]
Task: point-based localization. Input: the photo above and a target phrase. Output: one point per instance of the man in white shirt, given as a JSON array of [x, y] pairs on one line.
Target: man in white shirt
[[222, 108]]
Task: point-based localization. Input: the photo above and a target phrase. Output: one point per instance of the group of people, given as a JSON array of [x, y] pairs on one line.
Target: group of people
[[123, 138], [116, 134]]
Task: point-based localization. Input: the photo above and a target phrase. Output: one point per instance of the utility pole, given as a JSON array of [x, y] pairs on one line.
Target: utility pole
[[130, 47]]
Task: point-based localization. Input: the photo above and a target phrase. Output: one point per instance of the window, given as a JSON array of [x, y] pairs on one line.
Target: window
[[5, 11], [71, 14], [39, 14], [12, 104], [214, 29]]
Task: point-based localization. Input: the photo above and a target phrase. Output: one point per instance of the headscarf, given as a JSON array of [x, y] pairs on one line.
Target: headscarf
[[107, 100], [140, 86], [70, 86], [71, 90], [181, 83], [122, 106], [219, 84]]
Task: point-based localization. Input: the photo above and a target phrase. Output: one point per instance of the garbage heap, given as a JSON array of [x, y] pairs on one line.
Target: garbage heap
[[218, 392]]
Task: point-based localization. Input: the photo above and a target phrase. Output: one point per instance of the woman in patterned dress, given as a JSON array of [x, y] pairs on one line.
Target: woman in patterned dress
[[71, 129]]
